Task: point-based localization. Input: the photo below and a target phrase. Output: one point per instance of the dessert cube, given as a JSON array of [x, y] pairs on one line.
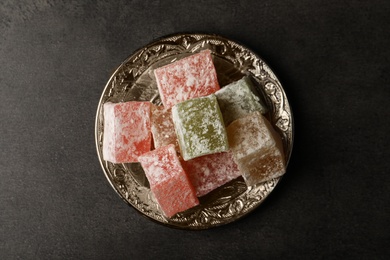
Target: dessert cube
[[163, 130], [257, 148], [126, 131], [169, 182], [199, 127], [191, 77], [237, 100], [211, 171]]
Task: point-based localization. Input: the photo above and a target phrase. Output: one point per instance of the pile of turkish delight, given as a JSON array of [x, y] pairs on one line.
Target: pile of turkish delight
[[201, 138]]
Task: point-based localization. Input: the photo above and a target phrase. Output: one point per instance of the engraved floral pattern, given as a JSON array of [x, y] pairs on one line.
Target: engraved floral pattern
[[134, 80]]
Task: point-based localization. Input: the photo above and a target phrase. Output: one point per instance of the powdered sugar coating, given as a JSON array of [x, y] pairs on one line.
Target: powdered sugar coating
[[257, 148], [199, 127], [163, 130], [211, 171], [175, 195], [161, 164], [168, 181], [237, 100], [126, 131], [191, 77]]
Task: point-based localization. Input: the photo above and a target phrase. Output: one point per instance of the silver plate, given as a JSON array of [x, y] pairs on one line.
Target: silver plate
[[134, 80]]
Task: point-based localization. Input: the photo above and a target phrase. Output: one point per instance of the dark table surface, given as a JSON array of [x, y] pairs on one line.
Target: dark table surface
[[333, 58]]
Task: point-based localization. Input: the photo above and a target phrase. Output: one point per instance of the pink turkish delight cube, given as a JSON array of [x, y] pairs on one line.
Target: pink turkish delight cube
[[190, 77], [257, 148], [163, 129], [211, 171], [169, 182], [127, 132]]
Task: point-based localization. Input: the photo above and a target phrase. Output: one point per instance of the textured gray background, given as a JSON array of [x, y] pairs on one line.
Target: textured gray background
[[333, 59]]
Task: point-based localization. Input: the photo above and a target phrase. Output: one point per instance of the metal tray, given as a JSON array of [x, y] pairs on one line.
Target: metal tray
[[134, 80]]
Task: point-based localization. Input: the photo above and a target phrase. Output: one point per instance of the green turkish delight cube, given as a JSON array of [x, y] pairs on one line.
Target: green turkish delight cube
[[238, 100], [199, 127]]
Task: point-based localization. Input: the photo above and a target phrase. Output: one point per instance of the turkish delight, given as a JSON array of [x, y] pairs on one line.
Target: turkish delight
[[211, 171], [127, 132], [168, 181], [257, 148], [199, 127], [190, 77], [162, 127], [237, 100]]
